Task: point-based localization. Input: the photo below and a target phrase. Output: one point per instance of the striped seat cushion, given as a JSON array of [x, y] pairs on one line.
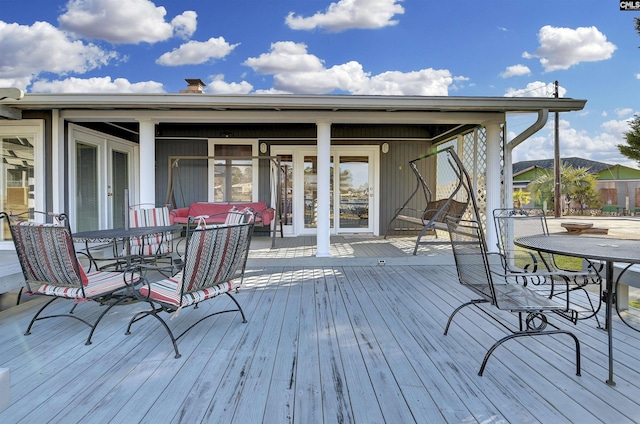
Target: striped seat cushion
[[168, 291], [98, 283]]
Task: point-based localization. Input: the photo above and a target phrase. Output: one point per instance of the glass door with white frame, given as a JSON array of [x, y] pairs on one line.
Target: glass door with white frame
[[102, 168], [352, 189]]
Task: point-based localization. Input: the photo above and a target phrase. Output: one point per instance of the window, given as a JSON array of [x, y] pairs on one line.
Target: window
[[234, 174], [20, 169]]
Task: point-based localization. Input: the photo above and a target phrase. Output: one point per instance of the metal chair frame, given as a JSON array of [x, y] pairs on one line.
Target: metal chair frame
[[51, 268], [214, 264], [476, 272], [511, 223]]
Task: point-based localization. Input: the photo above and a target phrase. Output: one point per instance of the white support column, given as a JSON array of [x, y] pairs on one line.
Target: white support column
[[147, 170], [493, 181], [324, 187], [57, 163]]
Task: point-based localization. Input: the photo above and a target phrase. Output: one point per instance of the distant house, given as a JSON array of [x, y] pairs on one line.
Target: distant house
[[618, 185]]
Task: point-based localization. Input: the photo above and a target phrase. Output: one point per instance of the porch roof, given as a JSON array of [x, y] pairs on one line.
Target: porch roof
[[329, 106]]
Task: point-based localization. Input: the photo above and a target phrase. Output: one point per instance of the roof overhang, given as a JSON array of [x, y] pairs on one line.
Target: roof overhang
[[8, 112], [274, 102], [288, 109]]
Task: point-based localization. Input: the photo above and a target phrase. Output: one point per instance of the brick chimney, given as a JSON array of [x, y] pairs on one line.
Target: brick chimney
[[195, 85]]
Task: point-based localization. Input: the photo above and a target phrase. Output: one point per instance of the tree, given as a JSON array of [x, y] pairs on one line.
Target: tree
[[521, 198], [632, 148], [577, 185]]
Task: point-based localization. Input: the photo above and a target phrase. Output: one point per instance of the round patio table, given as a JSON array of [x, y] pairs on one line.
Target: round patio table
[[607, 250]]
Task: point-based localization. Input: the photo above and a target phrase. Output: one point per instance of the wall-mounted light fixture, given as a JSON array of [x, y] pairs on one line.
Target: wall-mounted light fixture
[[385, 147], [263, 147]]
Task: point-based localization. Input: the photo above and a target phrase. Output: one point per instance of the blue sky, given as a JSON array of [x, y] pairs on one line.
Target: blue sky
[[393, 47]]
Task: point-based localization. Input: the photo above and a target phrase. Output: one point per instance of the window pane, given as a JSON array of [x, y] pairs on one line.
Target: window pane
[[17, 177], [286, 194], [87, 192], [233, 181], [311, 192]]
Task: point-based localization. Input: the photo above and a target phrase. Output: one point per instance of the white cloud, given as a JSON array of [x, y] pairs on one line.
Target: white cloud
[[124, 21], [96, 85], [617, 127], [536, 89], [638, 76], [30, 50], [624, 112], [285, 56], [516, 71], [185, 25], [576, 143], [350, 14], [426, 82], [217, 85], [562, 48], [295, 70], [196, 52]]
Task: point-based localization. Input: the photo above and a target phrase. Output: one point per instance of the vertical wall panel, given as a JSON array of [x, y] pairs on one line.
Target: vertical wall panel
[[190, 180], [397, 182]]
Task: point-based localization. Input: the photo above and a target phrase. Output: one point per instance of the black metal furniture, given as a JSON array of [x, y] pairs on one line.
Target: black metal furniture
[[432, 214], [48, 259], [214, 264], [477, 272], [120, 239], [512, 223], [608, 250]]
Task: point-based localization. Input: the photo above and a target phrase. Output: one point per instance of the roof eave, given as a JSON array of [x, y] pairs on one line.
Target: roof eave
[[296, 102]]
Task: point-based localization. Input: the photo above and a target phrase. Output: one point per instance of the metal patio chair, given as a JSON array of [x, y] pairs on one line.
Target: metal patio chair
[[51, 268], [512, 223], [476, 270], [214, 264]]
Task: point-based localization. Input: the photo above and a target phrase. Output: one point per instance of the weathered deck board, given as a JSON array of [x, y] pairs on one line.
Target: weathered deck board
[[323, 344]]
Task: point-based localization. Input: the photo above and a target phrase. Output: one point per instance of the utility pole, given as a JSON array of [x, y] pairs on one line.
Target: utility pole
[[557, 194]]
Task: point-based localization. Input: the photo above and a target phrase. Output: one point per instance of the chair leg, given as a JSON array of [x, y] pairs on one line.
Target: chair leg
[[35, 317], [471, 302], [95, 324], [525, 333], [154, 313], [19, 296], [244, 320]]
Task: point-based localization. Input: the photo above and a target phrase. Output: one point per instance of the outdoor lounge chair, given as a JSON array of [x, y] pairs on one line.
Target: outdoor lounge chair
[[512, 223], [477, 272], [214, 263], [51, 268]]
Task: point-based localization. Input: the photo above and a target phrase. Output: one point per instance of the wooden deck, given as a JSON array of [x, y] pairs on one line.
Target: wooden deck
[[332, 344]]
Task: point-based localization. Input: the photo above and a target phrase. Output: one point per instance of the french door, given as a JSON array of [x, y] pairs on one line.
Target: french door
[[102, 168], [353, 188]]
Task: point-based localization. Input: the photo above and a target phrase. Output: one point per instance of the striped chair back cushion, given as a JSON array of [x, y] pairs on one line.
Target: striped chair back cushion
[[215, 255], [152, 244], [239, 216], [47, 254]]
